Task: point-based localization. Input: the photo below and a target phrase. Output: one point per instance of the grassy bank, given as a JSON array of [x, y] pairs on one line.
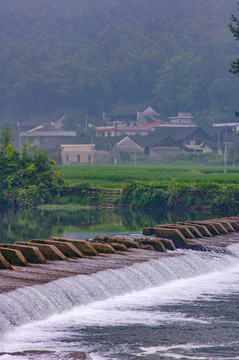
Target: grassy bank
[[167, 187], [178, 197], [117, 176]]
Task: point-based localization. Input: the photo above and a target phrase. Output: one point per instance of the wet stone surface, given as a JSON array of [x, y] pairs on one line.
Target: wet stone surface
[[43, 273]]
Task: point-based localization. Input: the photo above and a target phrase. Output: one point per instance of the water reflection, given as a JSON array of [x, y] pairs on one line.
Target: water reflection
[[26, 224]]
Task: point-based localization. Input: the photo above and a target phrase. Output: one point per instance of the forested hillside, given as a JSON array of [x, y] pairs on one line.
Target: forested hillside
[[94, 54]]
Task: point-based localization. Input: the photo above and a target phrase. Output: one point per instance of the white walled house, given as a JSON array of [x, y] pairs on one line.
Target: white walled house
[[78, 154], [83, 154], [183, 118]]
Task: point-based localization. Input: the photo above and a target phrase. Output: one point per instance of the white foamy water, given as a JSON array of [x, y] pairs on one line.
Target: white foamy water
[[155, 294]]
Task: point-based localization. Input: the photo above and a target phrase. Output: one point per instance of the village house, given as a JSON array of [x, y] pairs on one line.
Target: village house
[[83, 154], [183, 118], [39, 137], [161, 142], [133, 132], [125, 150], [172, 140], [125, 113], [128, 120], [120, 128]]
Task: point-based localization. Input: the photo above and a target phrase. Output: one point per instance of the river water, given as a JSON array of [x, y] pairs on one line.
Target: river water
[[178, 307]]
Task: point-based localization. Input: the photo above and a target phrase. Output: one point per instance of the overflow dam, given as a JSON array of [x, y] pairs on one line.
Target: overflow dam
[[64, 298], [44, 260]]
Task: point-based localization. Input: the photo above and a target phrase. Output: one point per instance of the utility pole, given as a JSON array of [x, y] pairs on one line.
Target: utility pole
[[135, 162], [86, 121], [19, 135], [19, 141], [218, 142], [38, 144], [116, 129], [225, 152], [225, 126], [116, 154]]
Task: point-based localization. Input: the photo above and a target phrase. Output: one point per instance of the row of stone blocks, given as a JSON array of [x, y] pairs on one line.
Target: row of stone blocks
[[165, 237], [181, 232], [40, 251]]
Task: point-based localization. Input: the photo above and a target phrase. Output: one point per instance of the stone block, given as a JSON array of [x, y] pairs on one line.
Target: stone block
[[67, 248], [119, 247], [120, 240], [103, 248], [211, 227], [148, 231], [175, 235], [183, 228], [83, 246], [50, 252], [4, 264], [196, 233], [220, 227], [31, 253], [14, 257], [146, 247], [156, 244], [226, 225], [201, 227], [169, 244], [234, 224]]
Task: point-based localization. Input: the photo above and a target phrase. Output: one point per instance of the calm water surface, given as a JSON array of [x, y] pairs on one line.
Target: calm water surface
[[24, 225]]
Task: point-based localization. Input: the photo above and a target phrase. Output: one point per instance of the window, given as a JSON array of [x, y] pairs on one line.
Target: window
[[67, 158], [78, 158], [89, 159]]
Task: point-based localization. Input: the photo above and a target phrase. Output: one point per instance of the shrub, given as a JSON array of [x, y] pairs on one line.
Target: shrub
[[179, 196], [27, 179]]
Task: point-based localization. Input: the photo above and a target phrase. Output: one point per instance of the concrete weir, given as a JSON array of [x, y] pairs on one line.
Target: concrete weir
[[37, 261]]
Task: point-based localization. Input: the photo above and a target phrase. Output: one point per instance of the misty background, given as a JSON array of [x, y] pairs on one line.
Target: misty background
[[97, 54]]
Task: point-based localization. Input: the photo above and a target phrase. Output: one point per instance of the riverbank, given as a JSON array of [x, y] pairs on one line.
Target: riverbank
[[161, 196], [163, 187], [181, 196]]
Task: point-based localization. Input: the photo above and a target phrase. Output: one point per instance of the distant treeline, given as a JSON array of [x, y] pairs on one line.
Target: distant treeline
[[95, 54]]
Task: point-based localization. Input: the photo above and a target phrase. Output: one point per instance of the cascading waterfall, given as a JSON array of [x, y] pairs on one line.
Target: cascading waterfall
[[39, 302]]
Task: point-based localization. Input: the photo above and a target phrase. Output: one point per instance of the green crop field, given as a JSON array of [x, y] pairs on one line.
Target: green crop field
[[110, 176]]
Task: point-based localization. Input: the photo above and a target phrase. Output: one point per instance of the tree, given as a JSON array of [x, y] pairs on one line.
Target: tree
[[27, 178], [234, 28], [178, 84], [106, 52], [70, 123], [6, 137]]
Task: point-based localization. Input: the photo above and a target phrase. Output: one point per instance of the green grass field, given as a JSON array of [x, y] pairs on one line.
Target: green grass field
[[109, 176]]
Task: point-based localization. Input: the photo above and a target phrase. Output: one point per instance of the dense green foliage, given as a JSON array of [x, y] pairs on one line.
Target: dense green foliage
[[95, 54], [234, 28], [180, 196], [26, 178], [110, 176]]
